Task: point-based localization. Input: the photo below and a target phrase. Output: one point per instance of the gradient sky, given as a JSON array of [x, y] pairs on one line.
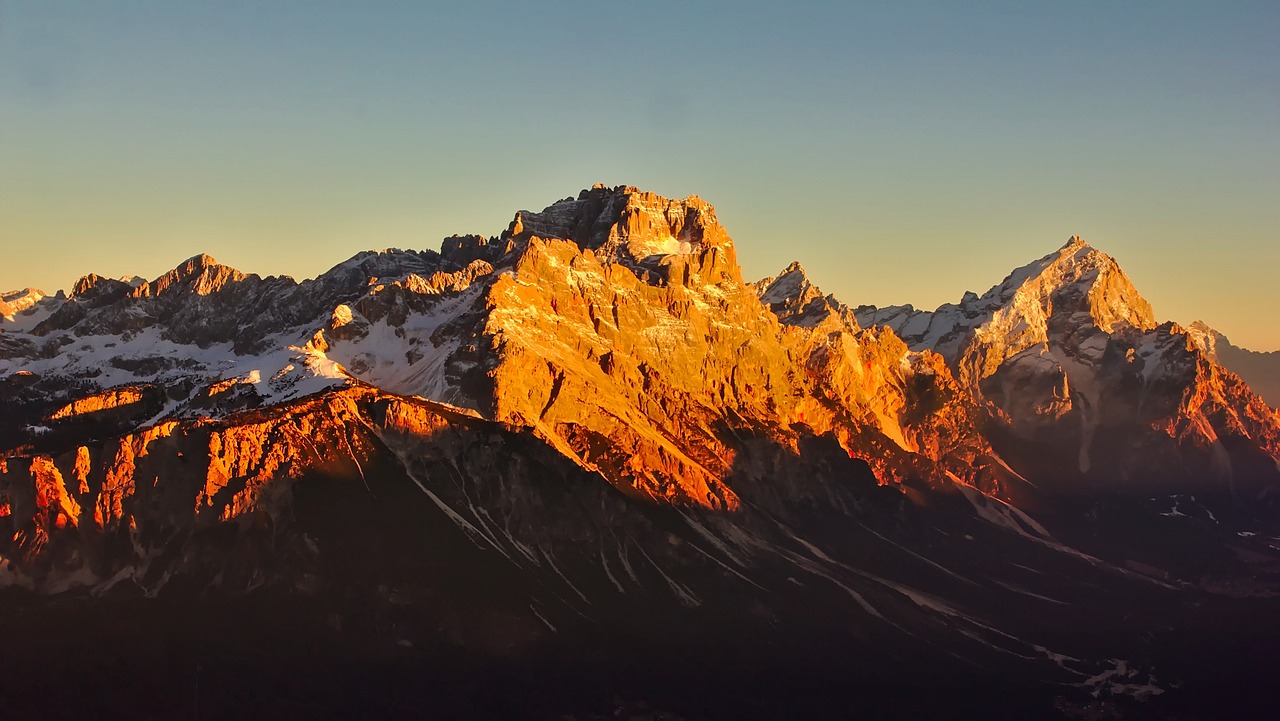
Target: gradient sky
[[903, 151]]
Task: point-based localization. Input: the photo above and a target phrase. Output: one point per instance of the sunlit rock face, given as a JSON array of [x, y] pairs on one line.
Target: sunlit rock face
[[17, 301], [591, 418], [874, 380], [633, 343], [1260, 370], [1066, 356], [107, 509], [616, 326]]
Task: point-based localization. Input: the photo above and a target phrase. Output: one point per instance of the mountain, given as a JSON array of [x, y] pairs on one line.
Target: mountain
[[16, 301], [1260, 370], [583, 458], [1086, 390]]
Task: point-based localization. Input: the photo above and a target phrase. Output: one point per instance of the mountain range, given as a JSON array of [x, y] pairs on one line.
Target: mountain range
[[586, 462]]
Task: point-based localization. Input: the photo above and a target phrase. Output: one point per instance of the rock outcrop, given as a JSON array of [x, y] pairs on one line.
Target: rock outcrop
[[1261, 370]]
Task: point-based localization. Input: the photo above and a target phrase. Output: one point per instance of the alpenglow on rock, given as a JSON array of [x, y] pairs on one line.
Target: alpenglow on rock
[[589, 429], [1068, 358]]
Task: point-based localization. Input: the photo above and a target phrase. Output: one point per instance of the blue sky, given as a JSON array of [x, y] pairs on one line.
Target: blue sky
[[904, 152]]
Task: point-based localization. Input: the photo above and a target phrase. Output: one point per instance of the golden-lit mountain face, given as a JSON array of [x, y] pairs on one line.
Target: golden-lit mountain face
[[597, 403], [617, 328], [1067, 358]]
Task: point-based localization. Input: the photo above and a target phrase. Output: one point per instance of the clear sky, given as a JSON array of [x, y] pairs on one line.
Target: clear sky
[[903, 151]]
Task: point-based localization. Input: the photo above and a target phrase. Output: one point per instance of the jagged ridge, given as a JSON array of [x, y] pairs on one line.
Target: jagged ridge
[[597, 413]]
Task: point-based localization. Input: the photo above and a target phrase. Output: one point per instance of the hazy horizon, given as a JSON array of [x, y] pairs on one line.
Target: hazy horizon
[[903, 154]]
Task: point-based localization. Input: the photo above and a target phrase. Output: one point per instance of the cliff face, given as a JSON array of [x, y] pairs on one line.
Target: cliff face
[[124, 508], [1261, 370], [615, 329], [870, 378], [592, 416], [616, 326], [632, 343]]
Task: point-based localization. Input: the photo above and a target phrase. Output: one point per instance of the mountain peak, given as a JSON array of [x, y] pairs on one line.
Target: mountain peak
[[16, 301], [1061, 288], [674, 240], [1077, 277], [1077, 250], [624, 218], [795, 300], [1260, 370], [1205, 337], [12, 295], [199, 274], [88, 283]]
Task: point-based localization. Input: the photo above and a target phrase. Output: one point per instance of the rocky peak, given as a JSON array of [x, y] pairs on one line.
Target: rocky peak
[[791, 284], [199, 275], [1068, 303], [1204, 338], [1074, 285], [640, 229], [1085, 279], [797, 301], [463, 249], [15, 301], [616, 326], [10, 296], [387, 265], [1076, 278], [86, 284], [1261, 371], [97, 289]]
